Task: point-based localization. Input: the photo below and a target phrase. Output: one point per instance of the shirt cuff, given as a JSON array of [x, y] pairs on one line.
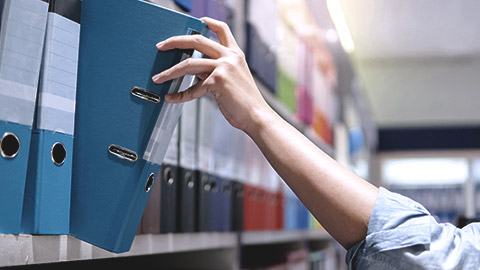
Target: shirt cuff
[[396, 222]]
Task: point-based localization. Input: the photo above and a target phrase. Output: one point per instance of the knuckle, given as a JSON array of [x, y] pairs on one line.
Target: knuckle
[[187, 63], [232, 61], [224, 26], [197, 38], [222, 73], [240, 54]]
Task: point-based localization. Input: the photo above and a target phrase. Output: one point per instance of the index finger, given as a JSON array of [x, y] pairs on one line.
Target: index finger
[[196, 42], [223, 32]]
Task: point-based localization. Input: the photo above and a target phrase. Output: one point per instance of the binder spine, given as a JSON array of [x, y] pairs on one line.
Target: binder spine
[[22, 33], [21, 43], [51, 155]]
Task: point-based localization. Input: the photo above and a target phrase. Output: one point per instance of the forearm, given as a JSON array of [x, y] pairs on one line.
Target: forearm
[[340, 200]]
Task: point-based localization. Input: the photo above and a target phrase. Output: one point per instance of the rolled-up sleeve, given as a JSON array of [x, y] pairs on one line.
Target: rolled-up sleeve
[[403, 235]]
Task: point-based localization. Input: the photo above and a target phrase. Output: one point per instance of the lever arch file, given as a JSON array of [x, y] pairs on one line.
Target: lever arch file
[[22, 34], [122, 124], [47, 194]]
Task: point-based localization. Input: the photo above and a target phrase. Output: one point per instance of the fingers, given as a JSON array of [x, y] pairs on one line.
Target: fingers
[[197, 42], [189, 66], [223, 32], [196, 91]]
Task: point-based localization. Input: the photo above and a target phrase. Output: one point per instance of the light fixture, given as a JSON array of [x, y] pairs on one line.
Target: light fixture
[[336, 12]]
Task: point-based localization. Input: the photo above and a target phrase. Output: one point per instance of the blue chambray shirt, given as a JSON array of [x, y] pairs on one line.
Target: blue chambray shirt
[[403, 235]]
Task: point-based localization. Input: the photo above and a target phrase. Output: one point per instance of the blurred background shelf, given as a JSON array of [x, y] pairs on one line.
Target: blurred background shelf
[[288, 116], [274, 237]]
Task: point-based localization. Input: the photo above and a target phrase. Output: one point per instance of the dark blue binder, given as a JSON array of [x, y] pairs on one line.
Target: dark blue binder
[[204, 201], [216, 213], [226, 207], [186, 199], [122, 124], [168, 198], [188, 183], [261, 59]]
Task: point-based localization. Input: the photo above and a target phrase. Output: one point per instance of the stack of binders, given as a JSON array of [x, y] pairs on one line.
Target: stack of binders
[[87, 139], [22, 34]]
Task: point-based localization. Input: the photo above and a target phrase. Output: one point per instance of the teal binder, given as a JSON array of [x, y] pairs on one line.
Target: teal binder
[[46, 207], [22, 33], [122, 124]]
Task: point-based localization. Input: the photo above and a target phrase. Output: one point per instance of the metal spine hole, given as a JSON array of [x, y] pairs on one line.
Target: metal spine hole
[[240, 193], [123, 153], [145, 95], [189, 180], [168, 175], [214, 186], [58, 153], [206, 183], [9, 145], [226, 188], [149, 183]]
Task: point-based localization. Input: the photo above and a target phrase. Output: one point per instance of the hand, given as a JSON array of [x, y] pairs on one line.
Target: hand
[[225, 75]]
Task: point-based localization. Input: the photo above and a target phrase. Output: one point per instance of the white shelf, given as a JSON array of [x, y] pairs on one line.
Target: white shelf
[[36, 249], [28, 249]]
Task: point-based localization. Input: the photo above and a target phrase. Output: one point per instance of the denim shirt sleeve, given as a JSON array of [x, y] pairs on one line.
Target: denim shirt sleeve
[[403, 235]]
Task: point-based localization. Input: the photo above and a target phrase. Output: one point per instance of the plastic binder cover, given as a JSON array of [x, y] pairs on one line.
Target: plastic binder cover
[[22, 34], [205, 164], [188, 184], [122, 125], [168, 188]]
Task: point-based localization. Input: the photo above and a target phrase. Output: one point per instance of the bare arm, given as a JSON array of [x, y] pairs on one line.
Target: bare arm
[[341, 201]]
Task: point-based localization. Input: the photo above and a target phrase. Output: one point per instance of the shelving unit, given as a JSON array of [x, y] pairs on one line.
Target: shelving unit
[[32, 249], [243, 249]]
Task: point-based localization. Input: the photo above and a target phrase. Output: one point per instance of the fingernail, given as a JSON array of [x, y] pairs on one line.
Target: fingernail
[[155, 77], [159, 44]]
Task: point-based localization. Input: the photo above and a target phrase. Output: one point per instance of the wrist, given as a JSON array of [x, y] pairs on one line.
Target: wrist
[[260, 119]]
